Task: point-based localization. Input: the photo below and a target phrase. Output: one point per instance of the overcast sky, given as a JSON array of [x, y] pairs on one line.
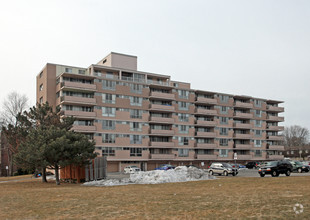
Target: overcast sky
[[257, 48]]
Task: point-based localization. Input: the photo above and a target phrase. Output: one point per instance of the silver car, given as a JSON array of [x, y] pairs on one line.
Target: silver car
[[222, 169], [131, 169]]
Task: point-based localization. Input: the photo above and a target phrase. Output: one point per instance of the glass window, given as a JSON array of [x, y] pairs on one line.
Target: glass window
[[135, 139], [135, 113], [183, 129], [109, 85], [223, 142], [108, 111], [108, 125], [135, 152], [223, 131], [183, 152], [183, 140], [108, 98], [136, 101], [183, 105], [108, 138], [223, 153]]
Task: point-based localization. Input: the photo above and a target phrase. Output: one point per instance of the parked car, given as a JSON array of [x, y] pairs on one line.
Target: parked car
[[131, 169], [275, 168], [222, 169], [299, 166], [237, 165], [165, 167], [252, 164], [306, 163]]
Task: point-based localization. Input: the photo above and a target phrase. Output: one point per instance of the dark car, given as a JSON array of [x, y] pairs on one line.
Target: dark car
[[165, 167], [275, 168], [299, 167], [252, 164]]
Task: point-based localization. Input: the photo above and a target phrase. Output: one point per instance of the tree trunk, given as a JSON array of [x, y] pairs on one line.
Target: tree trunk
[[44, 180], [57, 174]]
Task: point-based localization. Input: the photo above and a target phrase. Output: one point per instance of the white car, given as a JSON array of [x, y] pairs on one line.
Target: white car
[[131, 169]]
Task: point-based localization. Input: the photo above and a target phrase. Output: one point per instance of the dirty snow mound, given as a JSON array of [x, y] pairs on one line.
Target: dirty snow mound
[[179, 174]]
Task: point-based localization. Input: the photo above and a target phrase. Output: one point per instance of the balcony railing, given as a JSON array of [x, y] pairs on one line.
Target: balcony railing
[[244, 157], [162, 120], [206, 111], [243, 115], [206, 146], [243, 125], [275, 118], [275, 128], [162, 144], [84, 128], [275, 157], [77, 99], [275, 108], [206, 100], [162, 156], [276, 147], [162, 132], [243, 136], [243, 146], [206, 123], [243, 104], [161, 95], [162, 107], [275, 138], [157, 83], [206, 134], [76, 85]]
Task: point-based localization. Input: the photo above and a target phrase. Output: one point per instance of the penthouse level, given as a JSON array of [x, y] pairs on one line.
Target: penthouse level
[[147, 119]]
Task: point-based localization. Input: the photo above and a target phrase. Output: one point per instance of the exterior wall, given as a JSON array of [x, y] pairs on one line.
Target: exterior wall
[[251, 124]]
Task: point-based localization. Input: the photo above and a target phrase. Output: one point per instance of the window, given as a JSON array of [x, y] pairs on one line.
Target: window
[[68, 70], [224, 110], [223, 120], [108, 138], [183, 140], [135, 139], [109, 85], [223, 142], [183, 129], [258, 123], [136, 88], [108, 151], [136, 101], [183, 117], [258, 113], [135, 152], [41, 100], [258, 103], [258, 133], [257, 153], [41, 87], [223, 131], [135, 126], [224, 98], [82, 72], [108, 111], [108, 98], [183, 94], [258, 143], [135, 113], [108, 125], [41, 74], [57, 95], [109, 75], [183, 105], [223, 153], [183, 152]]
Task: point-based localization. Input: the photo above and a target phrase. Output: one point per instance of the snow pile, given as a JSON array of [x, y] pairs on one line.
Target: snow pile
[[179, 174]]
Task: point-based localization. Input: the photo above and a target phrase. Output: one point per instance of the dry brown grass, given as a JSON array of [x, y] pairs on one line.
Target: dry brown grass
[[15, 177], [226, 198]]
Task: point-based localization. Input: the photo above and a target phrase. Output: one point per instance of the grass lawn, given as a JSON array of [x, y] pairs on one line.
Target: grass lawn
[[224, 198]]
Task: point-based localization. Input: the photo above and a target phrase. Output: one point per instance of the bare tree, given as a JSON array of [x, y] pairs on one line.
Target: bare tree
[[13, 105], [296, 136]]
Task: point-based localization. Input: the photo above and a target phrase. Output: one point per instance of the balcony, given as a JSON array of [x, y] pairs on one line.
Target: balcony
[[206, 146], [275, 128], [239, 104], [275, 157], [275, 118], [243, 146], [206, 100], [162, 132], [206, 134], [162, 120], [162, 156], [80, 100], [76, 85], [206, 123], [160, 95], [243, 136], [244, 157], [162, 144], [80, 114], [84, 128], [202, 111], [271, 108], [206, 157], [243, 125], [157, 107], [276, 147], [243, 115], [275, 138]]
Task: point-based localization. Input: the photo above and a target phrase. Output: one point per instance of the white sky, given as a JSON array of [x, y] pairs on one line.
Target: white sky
[[258, 48]]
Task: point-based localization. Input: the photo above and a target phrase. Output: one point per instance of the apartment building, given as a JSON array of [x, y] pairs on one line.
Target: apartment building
[[146, 119]]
